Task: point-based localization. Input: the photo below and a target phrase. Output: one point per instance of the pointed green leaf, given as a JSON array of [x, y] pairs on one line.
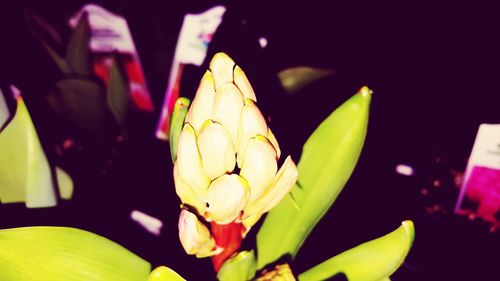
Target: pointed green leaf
[[241, 267], [177, 122], [4, 110], [58, 60], [65, 184], [78, 52], [328, 159], [163, 273], [296, 78], [375, 260], [65, 254], [82, 102], [118, 96], [24, 170]]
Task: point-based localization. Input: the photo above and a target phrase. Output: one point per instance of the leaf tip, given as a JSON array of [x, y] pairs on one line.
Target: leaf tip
[[409, 227]]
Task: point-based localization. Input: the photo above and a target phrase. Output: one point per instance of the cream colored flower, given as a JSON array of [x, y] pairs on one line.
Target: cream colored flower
[[195, 237], [224, 132]]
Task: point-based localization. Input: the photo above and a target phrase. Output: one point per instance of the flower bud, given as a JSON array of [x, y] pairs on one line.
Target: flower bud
[[227, 109], [259, 166], [252, 124], [217, 150], [241, 81], [201, 107], [188, 163], [222, 66], [226, 197], [195, 237]]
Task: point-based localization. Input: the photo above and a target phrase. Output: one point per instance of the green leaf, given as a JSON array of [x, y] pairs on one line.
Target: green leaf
[[65, 184], [118, 96], [78, 52], [296, 78], [4, 110], [24, 170], [328, 159], [241, 267], [58, 60], [82, 102], [65, 254], [163, 273], [375, 260], [176, 124]]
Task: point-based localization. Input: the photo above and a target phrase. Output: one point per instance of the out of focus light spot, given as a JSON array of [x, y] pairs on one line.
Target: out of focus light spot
[[263, 42], [404, 170], [436, 183], [424, 191], [149, 223]]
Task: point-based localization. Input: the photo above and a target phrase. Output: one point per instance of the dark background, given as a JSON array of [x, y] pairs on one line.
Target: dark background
[[433, 68]]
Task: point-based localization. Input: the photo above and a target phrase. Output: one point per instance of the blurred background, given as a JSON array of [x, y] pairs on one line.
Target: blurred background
[[433, 68]]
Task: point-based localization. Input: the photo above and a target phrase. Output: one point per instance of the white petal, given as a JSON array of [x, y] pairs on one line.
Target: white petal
[[216, 149], [222, 69], [281, 185], [241, 81], [274, 142], [195, 237], [189, 162], [252, 124], [227, 109], [186, 193], [201, 107], [226, 197], [259, 167]]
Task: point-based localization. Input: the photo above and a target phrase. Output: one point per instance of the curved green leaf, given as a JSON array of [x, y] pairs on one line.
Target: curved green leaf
[[296, 78], [328, 159], [241, 267], [78, 52], [24, 170], [65, 254], [176, 124], [118, 96], [375, 260], [163, 273]]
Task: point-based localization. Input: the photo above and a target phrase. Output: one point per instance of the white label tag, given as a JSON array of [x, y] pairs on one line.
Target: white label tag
[[196, 33], [110, 32]]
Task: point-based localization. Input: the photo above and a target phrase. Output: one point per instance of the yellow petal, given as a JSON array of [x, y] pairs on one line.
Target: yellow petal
[[274, 142], [281, 185], [189, 162], [252, 124], [201, 107], [259, 167], [227, 109], [187, 194], [216, 149], [241, 81], [226, 198], [195, 236], [222, 69]]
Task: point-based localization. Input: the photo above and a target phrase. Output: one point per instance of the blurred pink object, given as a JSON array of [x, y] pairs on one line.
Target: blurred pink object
[[481, 183]]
